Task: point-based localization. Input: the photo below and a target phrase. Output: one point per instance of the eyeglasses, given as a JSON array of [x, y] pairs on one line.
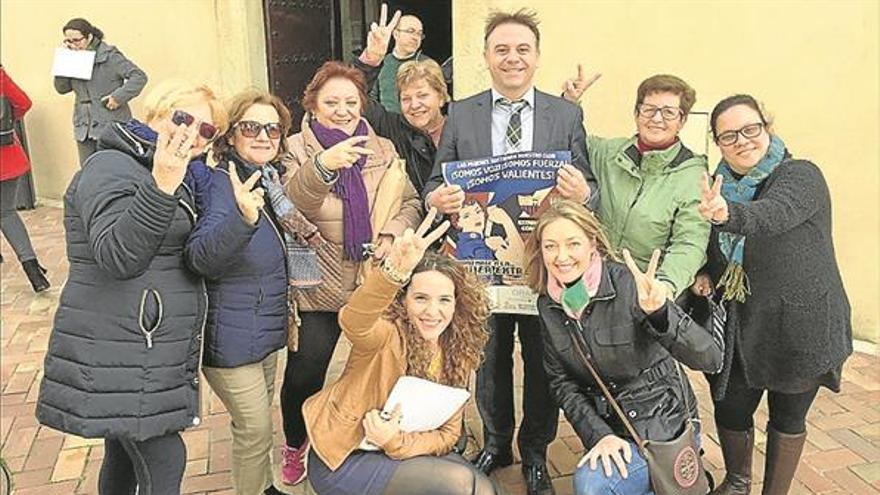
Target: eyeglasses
[[251, 129], [729, 138], [73, 41], [412, 32], [206, 130], [668, 113]]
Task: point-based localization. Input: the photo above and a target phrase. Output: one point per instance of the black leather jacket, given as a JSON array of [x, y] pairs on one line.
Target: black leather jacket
[[635, 360]]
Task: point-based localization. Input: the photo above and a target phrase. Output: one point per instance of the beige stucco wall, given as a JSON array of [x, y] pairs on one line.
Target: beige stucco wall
[[813, 63], [219, 42]]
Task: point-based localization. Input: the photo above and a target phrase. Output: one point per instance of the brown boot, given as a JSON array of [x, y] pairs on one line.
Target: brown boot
[[783, 454], [736, 446]]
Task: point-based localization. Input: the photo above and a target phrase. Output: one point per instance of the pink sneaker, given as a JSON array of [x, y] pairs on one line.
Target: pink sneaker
[[293, 463]]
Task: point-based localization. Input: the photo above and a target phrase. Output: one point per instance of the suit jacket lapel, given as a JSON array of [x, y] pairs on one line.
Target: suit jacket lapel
[[543, 122], [483, 124]]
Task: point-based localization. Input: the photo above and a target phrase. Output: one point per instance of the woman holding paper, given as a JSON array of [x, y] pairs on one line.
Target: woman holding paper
[[623, 320], [352, 189], [421, 315], [104, 97]]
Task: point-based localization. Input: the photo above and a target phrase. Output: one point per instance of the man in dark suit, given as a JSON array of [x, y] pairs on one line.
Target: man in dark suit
[[513, 116]]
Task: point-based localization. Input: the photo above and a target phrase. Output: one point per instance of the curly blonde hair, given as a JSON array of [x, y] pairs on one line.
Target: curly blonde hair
[[463, 341]]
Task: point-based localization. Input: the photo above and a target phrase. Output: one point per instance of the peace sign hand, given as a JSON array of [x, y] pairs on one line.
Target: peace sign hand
[[574, 88], [380, 34], [249, 202], [652, 292], [713, 206], [172, 156], [408, 249]]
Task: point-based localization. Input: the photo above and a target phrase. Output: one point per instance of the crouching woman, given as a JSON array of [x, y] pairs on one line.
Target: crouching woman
[[421, 315], [632, 334]]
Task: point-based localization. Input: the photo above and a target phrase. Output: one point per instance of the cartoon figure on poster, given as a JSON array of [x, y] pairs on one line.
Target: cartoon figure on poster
[[504, 196]]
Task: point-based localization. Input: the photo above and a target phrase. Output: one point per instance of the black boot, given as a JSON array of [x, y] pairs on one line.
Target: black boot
[[783, 454], [36, 274], [537, 479], [736, 446]]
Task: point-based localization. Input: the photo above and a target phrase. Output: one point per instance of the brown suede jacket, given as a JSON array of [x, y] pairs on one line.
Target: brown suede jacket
[[377, 359], [393, 201]]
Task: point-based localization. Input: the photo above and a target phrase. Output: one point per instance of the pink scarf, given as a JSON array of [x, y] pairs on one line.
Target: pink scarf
[[591, 278]]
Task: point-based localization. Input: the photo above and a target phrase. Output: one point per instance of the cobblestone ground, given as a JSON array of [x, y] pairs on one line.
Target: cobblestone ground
[[842, 454]]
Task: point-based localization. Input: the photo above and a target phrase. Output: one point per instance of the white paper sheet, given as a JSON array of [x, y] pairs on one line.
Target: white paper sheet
[[424, 405], [77, 64]]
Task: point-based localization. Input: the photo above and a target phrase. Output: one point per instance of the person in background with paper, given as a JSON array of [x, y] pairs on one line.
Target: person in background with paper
[[14, 164], [655, 179], [510, 117], [103, 97], [621, 319], [420, 318]]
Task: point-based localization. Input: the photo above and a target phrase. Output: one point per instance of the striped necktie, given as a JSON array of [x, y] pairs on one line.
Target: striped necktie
[[513, 136]]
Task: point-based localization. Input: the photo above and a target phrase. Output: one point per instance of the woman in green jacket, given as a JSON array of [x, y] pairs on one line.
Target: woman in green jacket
[[649, 183]]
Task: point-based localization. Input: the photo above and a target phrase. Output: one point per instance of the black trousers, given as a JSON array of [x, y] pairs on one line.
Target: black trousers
[[788, 412], [495, 390], [151, 467], [306, 370]]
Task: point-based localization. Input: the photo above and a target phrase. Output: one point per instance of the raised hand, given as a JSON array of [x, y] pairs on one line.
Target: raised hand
[[408, 249], [172, 156], [380, 34], [571, 184], [713, 206], [345, 153], [574, 88], [652, 292], [448, 199], [249, 202]]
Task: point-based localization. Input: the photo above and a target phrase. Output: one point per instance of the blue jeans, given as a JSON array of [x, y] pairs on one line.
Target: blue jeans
[[594, 482]]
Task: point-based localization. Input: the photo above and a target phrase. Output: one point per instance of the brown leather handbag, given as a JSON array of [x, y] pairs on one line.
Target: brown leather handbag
[[675, 467]]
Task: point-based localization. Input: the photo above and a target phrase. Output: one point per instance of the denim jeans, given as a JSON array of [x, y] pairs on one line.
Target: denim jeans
[[638, 482]]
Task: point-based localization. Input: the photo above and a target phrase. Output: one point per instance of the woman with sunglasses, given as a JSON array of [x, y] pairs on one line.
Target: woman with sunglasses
[[238, 247], [350, 184], [773, 267], [123, 357], [104, 97], [652, 176]]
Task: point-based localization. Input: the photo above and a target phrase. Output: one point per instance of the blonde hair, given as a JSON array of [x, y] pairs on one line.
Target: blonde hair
[[536, 272], [429, 70], [173, 93]]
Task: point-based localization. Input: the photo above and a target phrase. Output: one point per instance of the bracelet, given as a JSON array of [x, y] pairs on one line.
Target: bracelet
[[328, 176], [393, 274]]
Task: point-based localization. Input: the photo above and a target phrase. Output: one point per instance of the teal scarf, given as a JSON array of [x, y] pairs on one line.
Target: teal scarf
[[742, 191]]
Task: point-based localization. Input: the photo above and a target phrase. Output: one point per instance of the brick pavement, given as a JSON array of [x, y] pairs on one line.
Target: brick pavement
[[842, 453]]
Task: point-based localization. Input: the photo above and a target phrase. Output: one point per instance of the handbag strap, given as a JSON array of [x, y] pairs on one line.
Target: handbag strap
[[581, 352]]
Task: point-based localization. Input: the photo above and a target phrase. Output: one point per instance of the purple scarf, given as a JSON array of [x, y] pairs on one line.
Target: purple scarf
[[350, 188]]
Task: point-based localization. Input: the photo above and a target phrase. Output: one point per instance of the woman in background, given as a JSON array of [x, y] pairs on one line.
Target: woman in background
[[103, 98], [14, 164]]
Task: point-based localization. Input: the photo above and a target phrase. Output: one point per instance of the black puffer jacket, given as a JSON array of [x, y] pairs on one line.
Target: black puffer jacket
[[636, 362], [123, 358]]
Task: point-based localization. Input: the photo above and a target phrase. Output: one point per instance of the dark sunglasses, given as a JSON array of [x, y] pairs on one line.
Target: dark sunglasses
[[251, 129], [206, 130]]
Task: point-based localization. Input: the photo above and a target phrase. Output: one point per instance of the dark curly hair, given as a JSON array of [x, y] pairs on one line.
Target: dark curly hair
[[463, 341]]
